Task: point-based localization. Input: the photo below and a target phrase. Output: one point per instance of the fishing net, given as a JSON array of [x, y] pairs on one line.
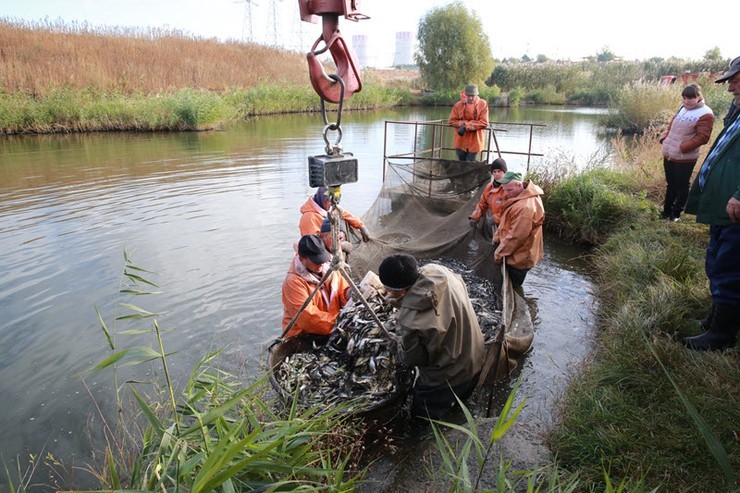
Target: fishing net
[[422, 209]]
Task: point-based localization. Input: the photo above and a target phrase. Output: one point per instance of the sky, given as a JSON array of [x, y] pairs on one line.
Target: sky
[[564, 29]]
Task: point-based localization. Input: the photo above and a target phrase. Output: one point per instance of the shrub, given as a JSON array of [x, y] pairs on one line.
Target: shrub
[[589, 207], [639, 105]]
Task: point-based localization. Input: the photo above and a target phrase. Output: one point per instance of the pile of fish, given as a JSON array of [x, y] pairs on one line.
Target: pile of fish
[[357, 363]]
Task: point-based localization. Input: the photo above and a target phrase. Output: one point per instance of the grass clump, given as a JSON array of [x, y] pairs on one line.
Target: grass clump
[[67, 110], [213, 432], [588, 207], [640, 105], [645, 408]]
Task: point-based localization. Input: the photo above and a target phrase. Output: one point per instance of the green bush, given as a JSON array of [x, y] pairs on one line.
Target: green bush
[[639, 105], [545, 95], [589, 207]]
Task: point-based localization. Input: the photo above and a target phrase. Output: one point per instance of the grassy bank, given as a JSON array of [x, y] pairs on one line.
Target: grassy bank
[[69, 110], [72, 78], [645, 409]]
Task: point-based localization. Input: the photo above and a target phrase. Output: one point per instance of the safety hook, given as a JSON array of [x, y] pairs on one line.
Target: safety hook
[[336, 148]]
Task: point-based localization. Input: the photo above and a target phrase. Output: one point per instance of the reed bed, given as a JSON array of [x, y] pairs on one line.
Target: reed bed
[[74, 78], [39, 58]]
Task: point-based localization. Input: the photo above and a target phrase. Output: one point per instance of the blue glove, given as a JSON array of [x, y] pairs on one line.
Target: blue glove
[[460, 130]]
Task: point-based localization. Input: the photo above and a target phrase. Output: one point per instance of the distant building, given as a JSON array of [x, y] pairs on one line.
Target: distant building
[[404, 54], [359, 43]]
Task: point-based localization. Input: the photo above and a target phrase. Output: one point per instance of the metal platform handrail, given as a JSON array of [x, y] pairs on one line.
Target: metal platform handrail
[[438, 130]]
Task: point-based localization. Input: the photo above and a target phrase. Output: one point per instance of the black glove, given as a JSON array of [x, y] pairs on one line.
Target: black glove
[[365, 234], [473, 222], [460, 130]]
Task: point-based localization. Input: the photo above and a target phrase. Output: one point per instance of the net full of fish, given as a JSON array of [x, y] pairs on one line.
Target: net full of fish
[[357, 363], [483, 296]]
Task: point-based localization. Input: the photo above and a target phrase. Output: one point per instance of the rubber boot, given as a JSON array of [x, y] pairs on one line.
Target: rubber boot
[[722, 333], [706, 322]]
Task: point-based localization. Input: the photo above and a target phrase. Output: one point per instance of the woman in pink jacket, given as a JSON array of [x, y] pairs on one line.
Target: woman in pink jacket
[[689, 129]]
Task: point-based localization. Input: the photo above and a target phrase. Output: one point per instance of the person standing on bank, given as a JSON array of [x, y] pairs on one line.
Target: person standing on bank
[[439, 332], [715, 199], [469, 117], [493, 195], [519, 236], [688, 130]]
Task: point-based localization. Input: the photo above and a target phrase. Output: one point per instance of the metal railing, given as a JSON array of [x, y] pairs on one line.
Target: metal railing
[[440, 131]]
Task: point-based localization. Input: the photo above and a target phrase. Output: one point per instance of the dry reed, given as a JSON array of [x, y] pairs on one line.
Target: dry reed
[[40, 57]]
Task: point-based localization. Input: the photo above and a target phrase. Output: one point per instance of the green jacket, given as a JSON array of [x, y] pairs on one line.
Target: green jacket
[[723, 182], [439, 329]]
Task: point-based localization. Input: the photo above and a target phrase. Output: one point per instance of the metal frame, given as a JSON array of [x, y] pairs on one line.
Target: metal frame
[[438, 131]]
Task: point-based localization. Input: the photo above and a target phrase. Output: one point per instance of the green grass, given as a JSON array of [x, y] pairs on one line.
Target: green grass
[[214, 432], [68, 110], [646, 409], [588, 207]]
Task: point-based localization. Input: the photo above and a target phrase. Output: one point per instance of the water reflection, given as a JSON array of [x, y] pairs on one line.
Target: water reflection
[[213, 214]]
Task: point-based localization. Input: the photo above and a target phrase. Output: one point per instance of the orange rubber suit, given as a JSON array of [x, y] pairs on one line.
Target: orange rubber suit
[[491, 199], [312, 215], [520, 233], [319, 315], [474, 117]]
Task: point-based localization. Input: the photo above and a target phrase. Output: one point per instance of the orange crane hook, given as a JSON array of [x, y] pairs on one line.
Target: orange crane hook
[[344, 58]]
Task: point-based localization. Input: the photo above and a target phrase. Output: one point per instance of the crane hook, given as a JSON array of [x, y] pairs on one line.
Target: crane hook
[[344, 58]]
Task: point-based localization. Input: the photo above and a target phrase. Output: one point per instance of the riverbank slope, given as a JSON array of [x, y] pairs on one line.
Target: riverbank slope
[[60, 79]]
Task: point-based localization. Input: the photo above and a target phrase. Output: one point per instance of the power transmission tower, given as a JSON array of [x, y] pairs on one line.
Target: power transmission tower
[[272, 22], [247, 22]]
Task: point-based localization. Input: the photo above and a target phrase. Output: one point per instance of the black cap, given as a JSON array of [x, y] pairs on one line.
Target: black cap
[[398, 271], [326, 226], [734, 68], [499, 163], [312, 247]]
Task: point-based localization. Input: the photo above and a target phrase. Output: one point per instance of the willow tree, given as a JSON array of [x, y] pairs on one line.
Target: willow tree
[[453, 49]]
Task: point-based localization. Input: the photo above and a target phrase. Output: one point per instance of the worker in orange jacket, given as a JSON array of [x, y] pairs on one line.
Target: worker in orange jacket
[[305, 273], [493, 195], [470, 117], [519, 235], [316, 209]]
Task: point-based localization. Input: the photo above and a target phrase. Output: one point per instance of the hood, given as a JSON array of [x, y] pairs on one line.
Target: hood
[[311, 206], [427, 290], [300, 270], [530, 190]]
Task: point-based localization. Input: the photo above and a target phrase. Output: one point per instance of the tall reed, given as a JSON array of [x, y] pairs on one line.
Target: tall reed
[[215, 432], [46, 56]]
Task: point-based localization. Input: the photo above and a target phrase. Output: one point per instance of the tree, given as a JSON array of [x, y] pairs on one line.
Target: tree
[[713, 55], [542, 58], [453, 49], [606, 55]]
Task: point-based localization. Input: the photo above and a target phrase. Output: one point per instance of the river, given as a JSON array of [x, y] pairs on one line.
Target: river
[[214, 216]]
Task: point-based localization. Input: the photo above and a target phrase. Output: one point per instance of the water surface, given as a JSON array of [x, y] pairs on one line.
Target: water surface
[[214, 215]]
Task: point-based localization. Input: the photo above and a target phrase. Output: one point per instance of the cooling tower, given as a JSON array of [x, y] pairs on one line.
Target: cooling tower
[[359, 43], [404, 49]]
